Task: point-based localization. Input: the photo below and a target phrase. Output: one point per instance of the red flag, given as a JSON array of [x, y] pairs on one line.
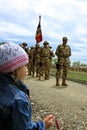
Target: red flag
[[38, 36]]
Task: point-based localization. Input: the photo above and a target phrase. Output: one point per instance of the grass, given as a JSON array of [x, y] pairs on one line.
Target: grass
[[77, 75], [73, 75]]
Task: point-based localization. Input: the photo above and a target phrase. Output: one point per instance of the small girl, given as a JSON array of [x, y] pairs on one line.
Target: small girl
[[15, 106]]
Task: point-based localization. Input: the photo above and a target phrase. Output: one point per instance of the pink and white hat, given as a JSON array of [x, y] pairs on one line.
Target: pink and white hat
[[12, 56]]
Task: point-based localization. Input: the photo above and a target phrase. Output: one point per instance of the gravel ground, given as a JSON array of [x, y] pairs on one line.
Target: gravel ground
[[67, 104]]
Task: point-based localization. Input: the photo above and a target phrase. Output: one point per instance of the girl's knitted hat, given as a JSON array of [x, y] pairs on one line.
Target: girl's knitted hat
[[12, 56]]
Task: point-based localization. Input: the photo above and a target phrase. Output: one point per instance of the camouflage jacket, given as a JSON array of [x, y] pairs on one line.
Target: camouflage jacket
[[37, 53], [45, 52], [63, 51]]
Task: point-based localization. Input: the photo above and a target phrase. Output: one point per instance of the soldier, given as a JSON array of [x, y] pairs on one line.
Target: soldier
[[31, 61], [51, 56], [24, 46], [44, 63], [37, 58], [63, 52]]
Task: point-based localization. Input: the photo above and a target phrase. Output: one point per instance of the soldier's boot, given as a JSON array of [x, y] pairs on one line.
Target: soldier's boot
[[39, 77], [33, 74], [64, 82], [29, 72], [46, 77], [57, 82], [49, 76]]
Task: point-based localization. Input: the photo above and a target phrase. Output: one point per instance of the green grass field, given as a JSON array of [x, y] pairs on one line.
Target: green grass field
[[77, 75], [73, 75]]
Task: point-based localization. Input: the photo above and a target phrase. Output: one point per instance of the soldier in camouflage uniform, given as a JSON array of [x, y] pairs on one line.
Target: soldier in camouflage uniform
[[37, 53], [24, 46], [31, 61], [44, 61], [63, 52]]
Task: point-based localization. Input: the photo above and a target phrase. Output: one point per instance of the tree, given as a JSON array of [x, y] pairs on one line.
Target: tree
[[54, 60], [2, 43], [76, 63]]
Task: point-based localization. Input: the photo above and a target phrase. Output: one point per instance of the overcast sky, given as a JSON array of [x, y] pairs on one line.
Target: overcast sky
[[19, 20]]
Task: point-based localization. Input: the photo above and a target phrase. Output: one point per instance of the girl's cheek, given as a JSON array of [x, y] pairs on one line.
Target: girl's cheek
[[26, 71]]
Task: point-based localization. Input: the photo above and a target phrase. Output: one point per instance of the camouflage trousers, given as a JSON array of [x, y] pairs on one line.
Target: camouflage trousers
[[62, 68], [37, 66], [31, 66], [44, 69]]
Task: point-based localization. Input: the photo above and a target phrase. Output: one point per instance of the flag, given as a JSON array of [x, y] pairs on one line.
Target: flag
[[38, 36]]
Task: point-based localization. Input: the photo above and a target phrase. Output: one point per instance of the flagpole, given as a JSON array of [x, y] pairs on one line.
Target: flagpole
[[39, 18]]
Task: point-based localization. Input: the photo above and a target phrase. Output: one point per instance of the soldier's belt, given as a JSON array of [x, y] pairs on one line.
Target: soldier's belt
[[45, 56], [63, 57]]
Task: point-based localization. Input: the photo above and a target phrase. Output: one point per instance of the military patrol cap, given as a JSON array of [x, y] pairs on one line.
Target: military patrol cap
[[45, 42], [65, 38], [24, 43], [37, 45]]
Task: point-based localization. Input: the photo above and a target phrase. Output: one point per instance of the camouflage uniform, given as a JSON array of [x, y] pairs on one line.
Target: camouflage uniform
[[31, 61], [37, 58], [44, 61], [24, 46], [63, 52]]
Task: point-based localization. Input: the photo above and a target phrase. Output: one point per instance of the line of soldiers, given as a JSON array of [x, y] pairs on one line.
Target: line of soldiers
[[40, 59]]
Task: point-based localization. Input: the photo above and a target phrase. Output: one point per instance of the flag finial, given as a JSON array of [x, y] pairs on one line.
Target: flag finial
[[39, 17]]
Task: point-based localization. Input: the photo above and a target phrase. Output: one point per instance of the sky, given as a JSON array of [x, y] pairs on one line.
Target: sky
[[19, 20]]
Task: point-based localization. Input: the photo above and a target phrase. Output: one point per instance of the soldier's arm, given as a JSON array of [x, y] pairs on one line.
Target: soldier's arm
[[58, 51], [69, 52]]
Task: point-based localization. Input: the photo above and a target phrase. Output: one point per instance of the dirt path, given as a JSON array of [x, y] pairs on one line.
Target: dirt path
[[66, 103]]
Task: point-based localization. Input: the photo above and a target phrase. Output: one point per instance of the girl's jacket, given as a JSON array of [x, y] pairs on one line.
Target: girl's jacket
[[15, 106]]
